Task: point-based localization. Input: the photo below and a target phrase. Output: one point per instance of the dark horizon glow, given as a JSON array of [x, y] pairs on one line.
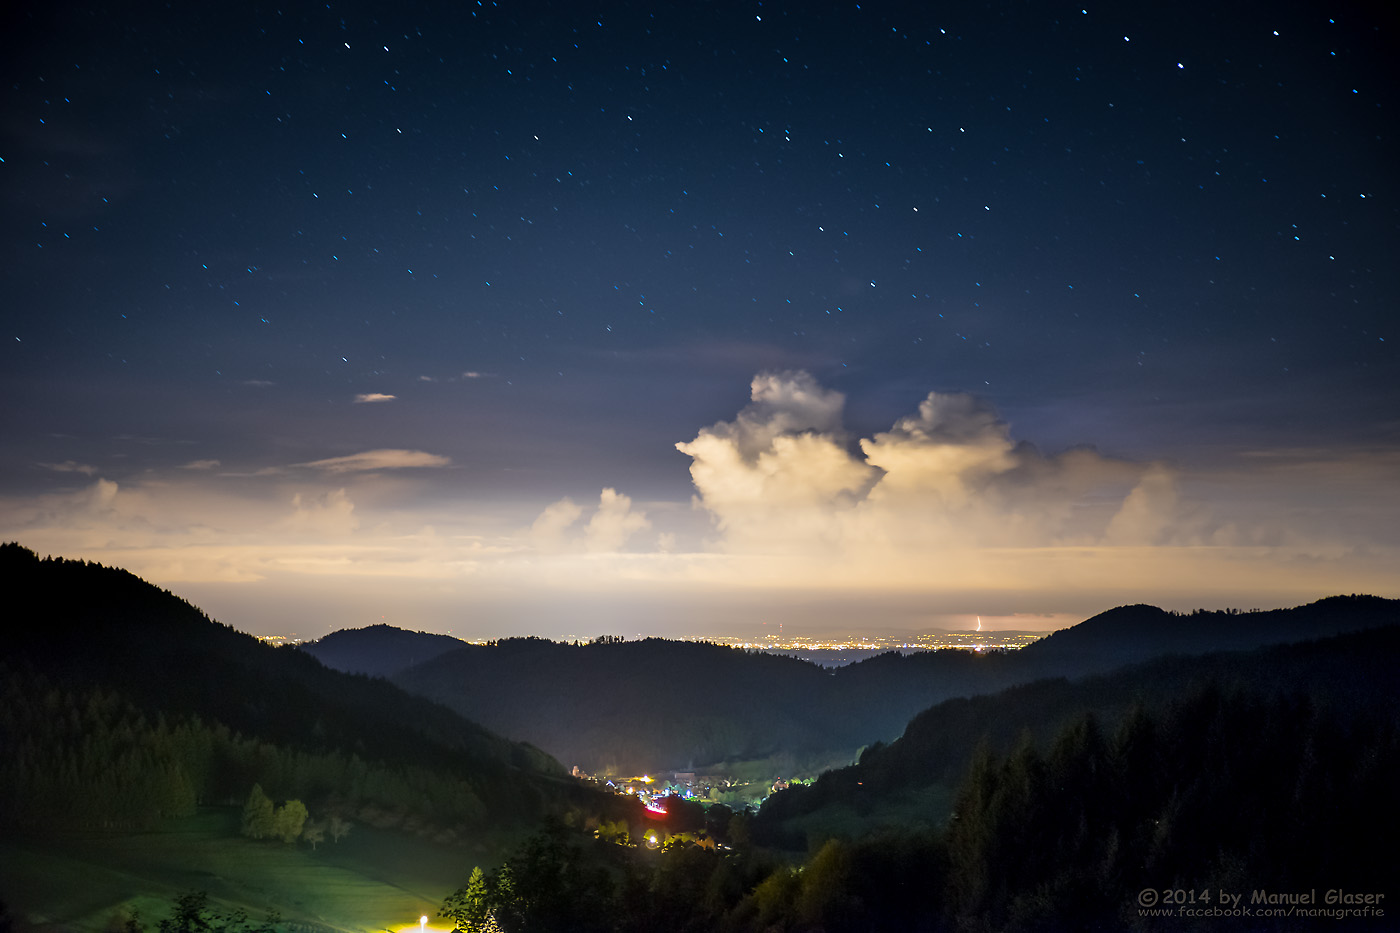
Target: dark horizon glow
[[510, 319]]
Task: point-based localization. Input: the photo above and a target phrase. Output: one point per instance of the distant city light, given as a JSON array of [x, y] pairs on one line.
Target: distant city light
[[829, 645]]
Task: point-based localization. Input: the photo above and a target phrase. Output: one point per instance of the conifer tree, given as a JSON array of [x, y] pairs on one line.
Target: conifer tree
[[259, 820], [470, 908]]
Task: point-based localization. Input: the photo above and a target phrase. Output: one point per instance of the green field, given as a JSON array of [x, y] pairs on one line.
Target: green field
[[372, 880], [925, 808]]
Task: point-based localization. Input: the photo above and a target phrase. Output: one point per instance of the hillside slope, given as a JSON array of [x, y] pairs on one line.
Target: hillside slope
[[1348, 676], [379, 650], [107, 661], [657, 704], [1129, 634]]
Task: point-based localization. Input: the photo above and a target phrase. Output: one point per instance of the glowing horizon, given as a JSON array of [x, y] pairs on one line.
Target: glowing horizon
[[790, 523]]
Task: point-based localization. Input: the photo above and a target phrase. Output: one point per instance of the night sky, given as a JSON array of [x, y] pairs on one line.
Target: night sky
[[331, 314]]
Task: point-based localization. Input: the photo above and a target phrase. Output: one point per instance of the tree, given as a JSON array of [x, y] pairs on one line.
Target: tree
[[314, 832], [825, 901], [470, 908], [544, 886], [258, 816], [191, 913], [290, 818], [739, 829], [339, 828], [614, 831]]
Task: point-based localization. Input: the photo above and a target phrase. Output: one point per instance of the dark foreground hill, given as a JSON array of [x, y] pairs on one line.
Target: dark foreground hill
[[1347, 677], [113, 687], [657, 704], [1129, 634]]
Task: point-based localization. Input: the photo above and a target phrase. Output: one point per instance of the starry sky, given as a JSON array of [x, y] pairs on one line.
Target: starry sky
[[557, 318]]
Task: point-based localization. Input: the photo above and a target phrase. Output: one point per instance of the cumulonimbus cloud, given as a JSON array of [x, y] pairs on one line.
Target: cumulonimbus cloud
[[781, 468], [383, 459], [783, 475]]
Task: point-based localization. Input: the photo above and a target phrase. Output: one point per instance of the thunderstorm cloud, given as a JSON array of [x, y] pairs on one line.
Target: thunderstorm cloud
[[784, 474]]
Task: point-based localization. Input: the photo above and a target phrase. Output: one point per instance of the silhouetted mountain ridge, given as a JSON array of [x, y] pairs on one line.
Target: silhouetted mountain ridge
[[98, 637], [1349, 675], [654, 703], [1127, 634], [379, 650]]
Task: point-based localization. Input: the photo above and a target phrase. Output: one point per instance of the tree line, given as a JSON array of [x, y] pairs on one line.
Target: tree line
[[1219, 790], [125, 705], [89, 758]]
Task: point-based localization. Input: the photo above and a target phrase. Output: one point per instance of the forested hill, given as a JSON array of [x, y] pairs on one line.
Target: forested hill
[[379, 650], [1347, 676], [642, 705], [654, 704], [1135, 633], [98, 650]]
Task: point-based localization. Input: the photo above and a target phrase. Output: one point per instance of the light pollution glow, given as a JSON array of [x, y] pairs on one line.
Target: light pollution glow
[[937, 520]]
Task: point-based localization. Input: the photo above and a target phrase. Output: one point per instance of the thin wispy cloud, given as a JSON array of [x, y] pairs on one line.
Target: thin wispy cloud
[[371, 397], [154, 441], [200, 465], [384, 459], [70, 466]]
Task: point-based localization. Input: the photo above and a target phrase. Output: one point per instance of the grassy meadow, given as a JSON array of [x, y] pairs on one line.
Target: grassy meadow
[[372, 880]]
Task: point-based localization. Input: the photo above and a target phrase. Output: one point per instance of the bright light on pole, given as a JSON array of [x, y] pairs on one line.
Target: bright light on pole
[[423, 923]]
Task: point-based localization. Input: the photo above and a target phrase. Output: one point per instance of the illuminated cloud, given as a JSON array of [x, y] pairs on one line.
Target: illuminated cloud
[[613, 523], [370, 397], [608, 530], [325, 514], [101, 497], [781, 469], [782, 476], [785, 403], [954, 445], [947, 511], [388, 459], [549, 530], [1149, 512], [953, 475]]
